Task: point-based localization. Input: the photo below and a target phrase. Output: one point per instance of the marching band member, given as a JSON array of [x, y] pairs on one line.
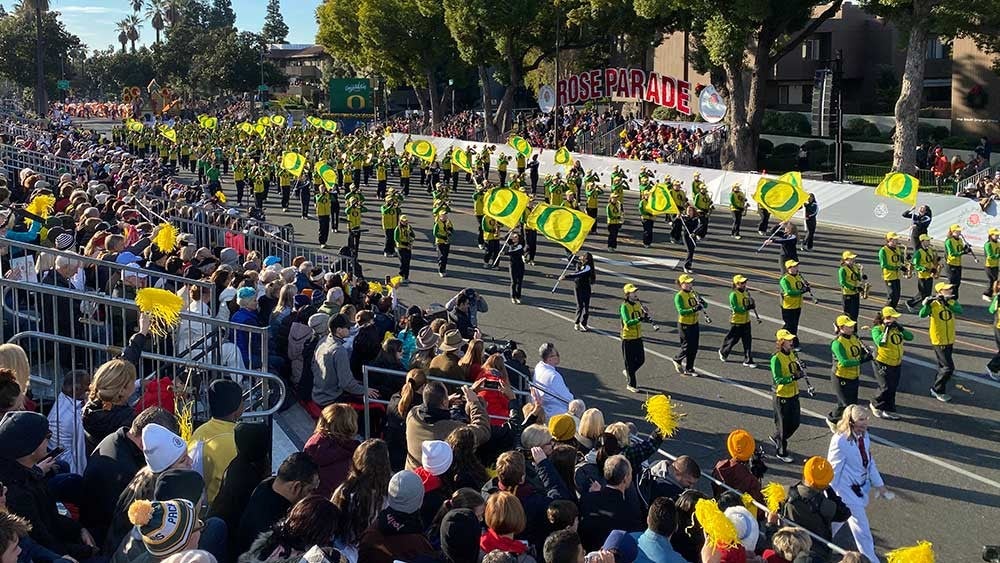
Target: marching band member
[[793, 287], [921, 218], [515, 251], [491, 238], [704, 205], [991, 250], [942, 309], [892, 260], [850, 278], [323, 214], [616, 216], [786, 370], [738, 205], [631, 312], [478, 208], [381, 178], [285, 184], [765, 218], [530, 236], [848, 355], [688, 304], [954, 248], [888, 336], [390, 220], [993, 367], [593, 193], [443, 230], [811, 208], [584, 278], [788, 239], [502, 161], [926, 263], [647, 219], [690, 224], [354, 210], [405, 169], [403, 237], [740, 303]]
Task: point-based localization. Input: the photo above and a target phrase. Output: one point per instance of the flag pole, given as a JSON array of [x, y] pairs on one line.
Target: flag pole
[[767, 240], [568, 264], [500, 253]]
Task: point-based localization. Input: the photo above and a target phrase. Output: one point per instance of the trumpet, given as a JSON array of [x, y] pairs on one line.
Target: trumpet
[[802, 375], [704, 308], [866, 287], [647, 318]]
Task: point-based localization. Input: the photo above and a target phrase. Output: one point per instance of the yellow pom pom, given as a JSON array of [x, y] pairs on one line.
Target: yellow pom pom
[[660, 412], [140, 512], [162, 306], [41, 205], [220, 196], [166, 237], [774, 495], [394, 281], [748, 504], [719, 530], [374, 287], [923, 552]]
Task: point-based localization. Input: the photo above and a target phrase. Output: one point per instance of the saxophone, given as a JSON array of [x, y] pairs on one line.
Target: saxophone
[[865, 286]]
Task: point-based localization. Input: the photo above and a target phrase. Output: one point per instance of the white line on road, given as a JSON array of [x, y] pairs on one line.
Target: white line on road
[[814, 414]]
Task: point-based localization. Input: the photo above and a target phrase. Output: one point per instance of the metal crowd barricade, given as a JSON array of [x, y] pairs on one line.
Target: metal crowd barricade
[[366, 370], [48, 165]]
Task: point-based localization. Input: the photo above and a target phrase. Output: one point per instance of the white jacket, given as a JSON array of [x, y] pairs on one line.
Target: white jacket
[[553, 390], [848, 470], [66, 424]]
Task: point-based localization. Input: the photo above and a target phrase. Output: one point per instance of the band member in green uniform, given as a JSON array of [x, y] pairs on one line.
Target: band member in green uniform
[[942, 308], [740, 303], [688, 304], [888, 336], [786, 371], [403, 237], [632, 313], [850, 279], [443, 230], [738, 206], [892, 260], [848, 355]]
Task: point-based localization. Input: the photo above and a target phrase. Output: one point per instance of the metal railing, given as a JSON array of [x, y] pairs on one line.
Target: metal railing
[[873, 174], [971, 180], [48, 165]]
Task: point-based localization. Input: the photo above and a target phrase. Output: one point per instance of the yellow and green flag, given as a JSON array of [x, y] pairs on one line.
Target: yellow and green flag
[[660, 202], [246, 127], [293, 162], [563, 157], [328, 125], [314, 121], [169, 134], [210, 122], [264, 121], [461, 159], [782, 199], [506, 205], [563, 225], [897, 185], [520, 145], [794, 178], [260, 129], [326, 173], [134, 126], [278, 120], [421, 149]]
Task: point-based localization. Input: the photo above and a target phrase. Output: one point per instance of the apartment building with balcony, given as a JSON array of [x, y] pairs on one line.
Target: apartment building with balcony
[[303, 65]]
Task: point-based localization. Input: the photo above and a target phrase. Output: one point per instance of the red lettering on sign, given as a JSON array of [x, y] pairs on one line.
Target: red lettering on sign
[[596, 88], [653, 89], [573, 89], [667, 93], [561, 92], [584, 86], [684, 97], [637, 79], [622, 86], [610, 81]]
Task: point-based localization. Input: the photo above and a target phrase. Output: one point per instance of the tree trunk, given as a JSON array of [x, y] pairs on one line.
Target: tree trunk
[[732, 155], [435, 99], [41, 96], [911, 91], [492, 135], [157, 35]]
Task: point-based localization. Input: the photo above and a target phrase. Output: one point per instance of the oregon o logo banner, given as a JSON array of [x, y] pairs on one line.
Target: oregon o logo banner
[[501, 202], [329, 125], [293, 162], [659, 200], [520, 145], [326, 173], [899, 185], [278, 120], [356, 102], [422, 149], [462, 160], [559, 224], [779, 197]]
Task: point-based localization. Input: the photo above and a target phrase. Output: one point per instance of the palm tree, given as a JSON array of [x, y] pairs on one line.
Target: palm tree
[[173, 10], [154, 13], [134, 23], [136, 5], [122, 27], [41, 98]]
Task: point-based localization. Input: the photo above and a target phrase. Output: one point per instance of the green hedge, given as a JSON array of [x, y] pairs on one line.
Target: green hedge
[[786, 148], [785, 123]]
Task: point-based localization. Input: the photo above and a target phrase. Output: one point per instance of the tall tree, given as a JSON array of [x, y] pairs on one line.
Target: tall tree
[[37, 8], [738, 42], [134, 23], [173, 10], [154, 13], [275, 30], [221, 15], [921, 20], [122, 27], [18, 55], [136, 5]]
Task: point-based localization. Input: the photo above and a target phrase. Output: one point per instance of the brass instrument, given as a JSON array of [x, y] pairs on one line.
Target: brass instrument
[[907, 267], [968, 249], [866, 287]]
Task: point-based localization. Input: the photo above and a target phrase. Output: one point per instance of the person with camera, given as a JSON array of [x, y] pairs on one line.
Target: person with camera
[[815, 506], [743, 469], [848, 355], [942, 308], [786, 371], [855, 475]]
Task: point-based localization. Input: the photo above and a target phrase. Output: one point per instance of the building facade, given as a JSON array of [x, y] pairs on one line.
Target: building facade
[[303, 65]]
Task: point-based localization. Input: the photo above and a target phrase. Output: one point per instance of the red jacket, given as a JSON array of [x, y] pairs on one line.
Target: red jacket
[[333, 458], [737, 475]]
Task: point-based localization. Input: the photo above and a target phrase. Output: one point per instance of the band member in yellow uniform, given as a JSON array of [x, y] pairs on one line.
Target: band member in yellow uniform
[[239, 176], [390, 220], [324, 210], [381, 178], [616, 216], [404, 244], [849, 278], [942, 308], [259, 188], [405, 170], [738, 205], [793, 287], [954, 248], [354, 210], [688, 304], [892, 260], [285, 184], [848, 355], [704, 205], [491, 238], [786, 370], [888, 336], [647, 219], [502, 161], [740, 303], [927, 264], [632, 313], [443, 230], [592, 191], [993, 367], [991, 251]]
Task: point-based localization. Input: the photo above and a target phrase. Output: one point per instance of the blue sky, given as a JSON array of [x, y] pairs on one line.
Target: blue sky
[[93, 21]]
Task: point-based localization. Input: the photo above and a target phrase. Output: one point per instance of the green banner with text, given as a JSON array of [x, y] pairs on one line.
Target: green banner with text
[[351, 95]]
